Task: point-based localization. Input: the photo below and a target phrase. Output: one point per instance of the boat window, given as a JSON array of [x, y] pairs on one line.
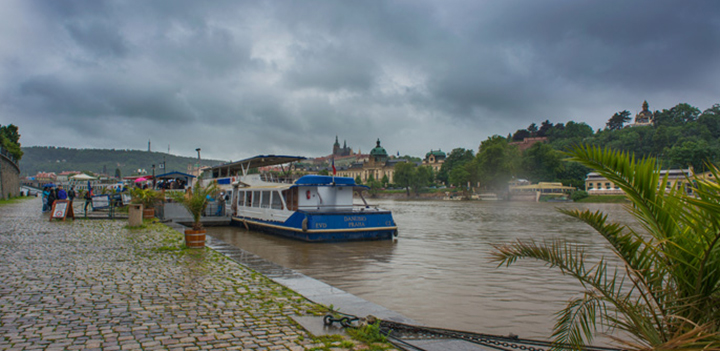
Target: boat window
[[241, 198], [248, 198], [265, 202], [276, 203], [291, 198], [256, 199]]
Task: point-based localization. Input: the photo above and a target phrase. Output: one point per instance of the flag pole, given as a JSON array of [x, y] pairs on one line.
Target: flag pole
[[333, 169]]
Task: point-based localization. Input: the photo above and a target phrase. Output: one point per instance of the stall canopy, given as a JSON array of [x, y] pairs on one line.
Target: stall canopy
[[167, 180], [82, 176], [173, 175]]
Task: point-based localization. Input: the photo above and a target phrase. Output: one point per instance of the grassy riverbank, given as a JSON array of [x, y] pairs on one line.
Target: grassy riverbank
[[14, 200], [605, 199]]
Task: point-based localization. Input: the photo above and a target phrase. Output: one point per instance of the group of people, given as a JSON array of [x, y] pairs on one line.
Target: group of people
[[51, 194], [171, 184]]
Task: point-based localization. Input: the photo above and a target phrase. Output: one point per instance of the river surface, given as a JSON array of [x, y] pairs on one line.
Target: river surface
[[439, 270]]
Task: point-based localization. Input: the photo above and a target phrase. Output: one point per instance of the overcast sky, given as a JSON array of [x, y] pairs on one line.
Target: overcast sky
[[240, 78]]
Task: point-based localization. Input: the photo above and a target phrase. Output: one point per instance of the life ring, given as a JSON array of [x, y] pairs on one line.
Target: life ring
[[305, 224]]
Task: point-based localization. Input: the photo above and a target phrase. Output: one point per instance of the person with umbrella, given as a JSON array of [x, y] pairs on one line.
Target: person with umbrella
[[51, 198], [45, 195]]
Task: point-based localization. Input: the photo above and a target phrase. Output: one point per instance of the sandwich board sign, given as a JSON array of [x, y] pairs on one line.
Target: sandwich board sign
[[62, 209], [100, 201]]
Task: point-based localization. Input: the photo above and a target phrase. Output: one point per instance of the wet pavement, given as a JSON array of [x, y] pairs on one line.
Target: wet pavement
[[97, 284]]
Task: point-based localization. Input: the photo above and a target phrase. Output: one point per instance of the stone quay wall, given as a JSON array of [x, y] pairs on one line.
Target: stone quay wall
[[9, 175]]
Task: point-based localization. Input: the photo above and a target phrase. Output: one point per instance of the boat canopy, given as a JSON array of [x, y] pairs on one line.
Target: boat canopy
[[325, 180], [253, 162]]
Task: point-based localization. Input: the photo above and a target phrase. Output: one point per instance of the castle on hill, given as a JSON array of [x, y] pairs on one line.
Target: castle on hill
[[341, 151]]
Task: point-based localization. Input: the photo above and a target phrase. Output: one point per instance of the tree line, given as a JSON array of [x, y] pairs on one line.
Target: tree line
[[679, 137], [10, 140], [112, 162]]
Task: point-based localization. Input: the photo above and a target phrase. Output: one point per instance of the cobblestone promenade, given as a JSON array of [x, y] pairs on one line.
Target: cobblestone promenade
[[95, 284]]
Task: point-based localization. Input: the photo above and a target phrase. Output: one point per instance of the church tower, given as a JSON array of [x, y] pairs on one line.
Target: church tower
[[336, 146]]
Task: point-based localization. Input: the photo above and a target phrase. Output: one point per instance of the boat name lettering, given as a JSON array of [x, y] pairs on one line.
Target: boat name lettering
[[355, 218], [320, 225], [356, 224]]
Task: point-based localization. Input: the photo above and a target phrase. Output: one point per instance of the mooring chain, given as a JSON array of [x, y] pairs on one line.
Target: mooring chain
[[495, 341], [345, 321]]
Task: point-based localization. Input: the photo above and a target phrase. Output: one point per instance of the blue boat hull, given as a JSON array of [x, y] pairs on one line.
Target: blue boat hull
[[328, 226]]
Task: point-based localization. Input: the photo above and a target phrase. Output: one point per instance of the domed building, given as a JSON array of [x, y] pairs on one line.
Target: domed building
[[378, 155], [378, 165], [434, 159], [644, 117]]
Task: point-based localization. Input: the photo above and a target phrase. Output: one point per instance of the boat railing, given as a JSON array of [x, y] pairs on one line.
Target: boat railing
[[330, 208], [273, 178]]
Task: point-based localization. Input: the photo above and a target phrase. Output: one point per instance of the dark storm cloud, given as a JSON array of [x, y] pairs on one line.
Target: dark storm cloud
[[286, 77]]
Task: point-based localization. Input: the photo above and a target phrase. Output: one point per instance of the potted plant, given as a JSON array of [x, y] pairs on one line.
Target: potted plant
[[147, 198], [195, 201]]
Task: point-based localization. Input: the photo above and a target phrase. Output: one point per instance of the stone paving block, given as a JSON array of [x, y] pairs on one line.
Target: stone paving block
[[95, 284]]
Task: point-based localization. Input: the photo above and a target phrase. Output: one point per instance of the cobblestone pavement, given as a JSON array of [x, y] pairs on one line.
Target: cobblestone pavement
[[96, 284]]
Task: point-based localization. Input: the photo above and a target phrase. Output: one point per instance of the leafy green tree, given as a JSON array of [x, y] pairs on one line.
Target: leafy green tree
[[563, 137], [545, 127], [405, 174], [497, 162], [542, 163], [710, 119], [358, 180], [385, 181], [678, 115], [10, 140], [411, 158], [521, 134], [533, 129], [374, 185], [693, 153], [457, 157], [459, 176], [618, 120], [665, 294], [423, 177], [324, 172]]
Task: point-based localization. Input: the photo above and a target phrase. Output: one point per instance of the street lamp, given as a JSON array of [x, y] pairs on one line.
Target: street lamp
[[198, 151]]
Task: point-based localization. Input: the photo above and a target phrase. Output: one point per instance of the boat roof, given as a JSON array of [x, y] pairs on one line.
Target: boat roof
[[324, 180], [259, 161]]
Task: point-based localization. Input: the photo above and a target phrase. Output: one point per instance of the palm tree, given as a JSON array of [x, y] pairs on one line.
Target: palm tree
[[666, 293], [196, 200]]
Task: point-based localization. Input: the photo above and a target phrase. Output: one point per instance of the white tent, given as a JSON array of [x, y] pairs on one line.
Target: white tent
[[82, 176]]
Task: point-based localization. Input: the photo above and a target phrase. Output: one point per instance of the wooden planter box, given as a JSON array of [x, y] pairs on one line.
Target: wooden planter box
[[149, 213], [195, 239]]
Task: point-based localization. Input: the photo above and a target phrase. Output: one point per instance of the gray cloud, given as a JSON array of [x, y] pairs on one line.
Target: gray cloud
[[240, 78]]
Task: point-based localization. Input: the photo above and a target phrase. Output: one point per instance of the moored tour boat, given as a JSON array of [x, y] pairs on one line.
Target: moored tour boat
[[310, 208]]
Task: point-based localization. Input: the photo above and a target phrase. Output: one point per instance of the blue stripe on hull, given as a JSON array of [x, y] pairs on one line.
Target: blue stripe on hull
[[322, 227]]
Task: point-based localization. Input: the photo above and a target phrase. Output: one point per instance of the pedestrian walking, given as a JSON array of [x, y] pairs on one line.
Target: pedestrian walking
[[61, 194], [88, 200], [221, 204], [71, 193]]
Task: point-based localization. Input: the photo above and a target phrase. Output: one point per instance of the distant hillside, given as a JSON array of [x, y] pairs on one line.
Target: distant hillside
[[57, 159]]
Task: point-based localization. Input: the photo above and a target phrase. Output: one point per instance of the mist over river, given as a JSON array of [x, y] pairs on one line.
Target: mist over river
[[438, 272]]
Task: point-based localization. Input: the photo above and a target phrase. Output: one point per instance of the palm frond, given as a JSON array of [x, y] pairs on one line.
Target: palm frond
[[672, 266]]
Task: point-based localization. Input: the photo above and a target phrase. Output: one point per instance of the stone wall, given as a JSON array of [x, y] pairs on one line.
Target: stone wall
[[9, 176]]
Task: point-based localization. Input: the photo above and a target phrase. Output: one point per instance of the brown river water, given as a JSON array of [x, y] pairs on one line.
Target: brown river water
[[438, 272]]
